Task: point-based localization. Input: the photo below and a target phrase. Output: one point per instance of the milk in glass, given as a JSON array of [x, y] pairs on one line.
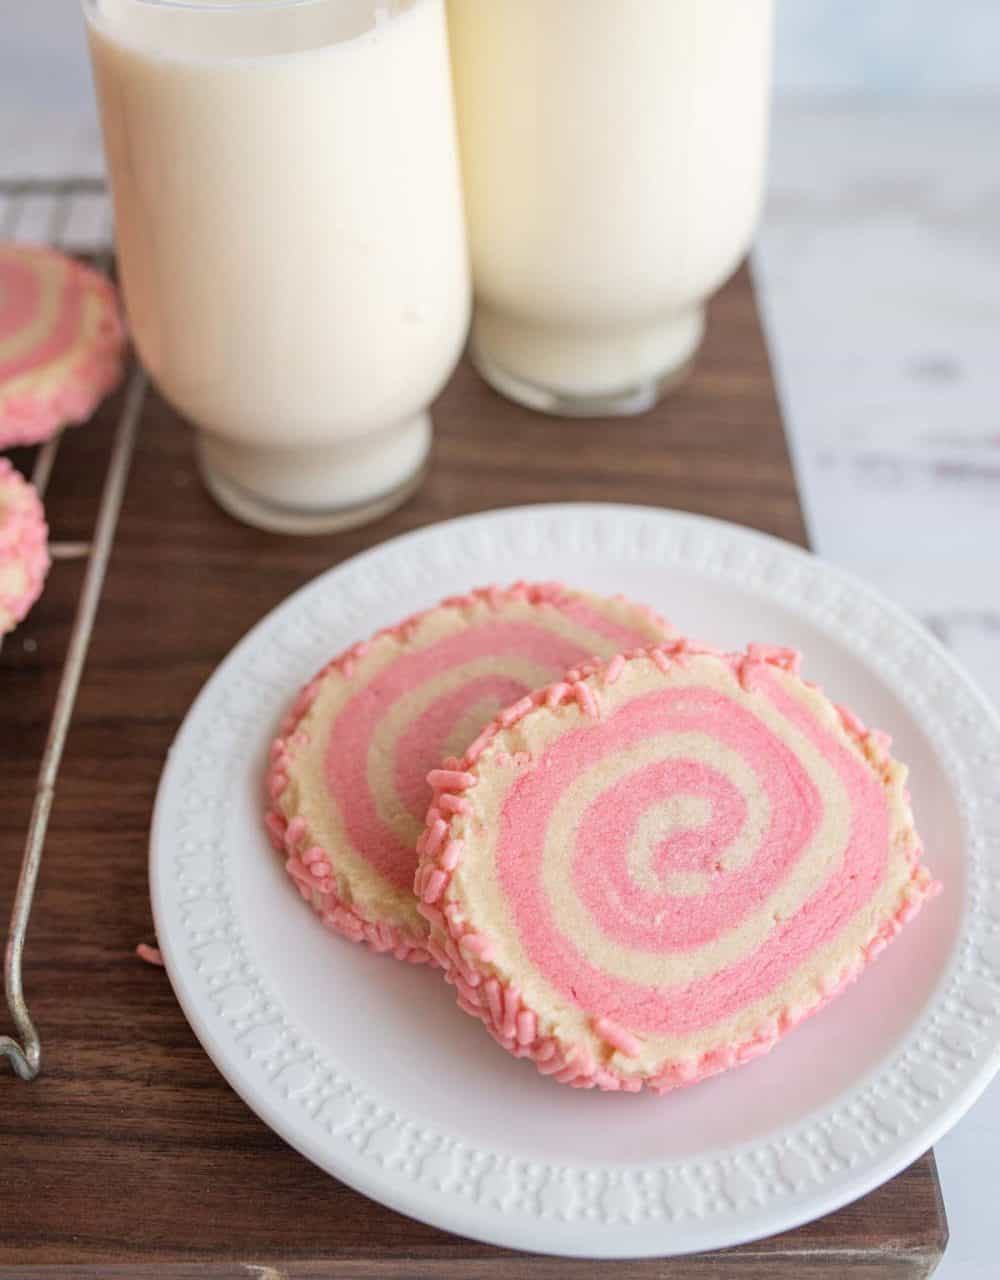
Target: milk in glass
[[290, 236]]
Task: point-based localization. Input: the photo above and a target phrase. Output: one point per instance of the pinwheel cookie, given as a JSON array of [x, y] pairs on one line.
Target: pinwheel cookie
[[61, 341], [348, 775], [650, 874], [24, 557]]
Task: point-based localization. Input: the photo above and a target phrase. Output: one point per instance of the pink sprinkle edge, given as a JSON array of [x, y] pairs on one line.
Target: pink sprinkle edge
[[308, 864], [23, 540], [32, 419], [465, 955]]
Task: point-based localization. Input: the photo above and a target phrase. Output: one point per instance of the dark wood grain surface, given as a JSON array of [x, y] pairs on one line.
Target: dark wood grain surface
[[130, 1155]]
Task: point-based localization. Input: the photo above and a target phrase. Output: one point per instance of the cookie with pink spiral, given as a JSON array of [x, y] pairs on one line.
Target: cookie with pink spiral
[[24, 556], [651, 873], [348, 775], [61, 342]]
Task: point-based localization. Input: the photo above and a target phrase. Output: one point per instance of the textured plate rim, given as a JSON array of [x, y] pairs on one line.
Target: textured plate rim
[[937, 1088]]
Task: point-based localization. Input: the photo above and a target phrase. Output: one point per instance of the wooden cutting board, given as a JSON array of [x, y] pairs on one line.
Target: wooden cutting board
[[129, 1155]]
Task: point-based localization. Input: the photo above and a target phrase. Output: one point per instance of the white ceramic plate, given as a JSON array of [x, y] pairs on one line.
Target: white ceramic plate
[[370, 1070]]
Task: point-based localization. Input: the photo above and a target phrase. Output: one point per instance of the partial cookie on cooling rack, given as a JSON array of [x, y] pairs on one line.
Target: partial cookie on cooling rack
[[650, 874], [348, 776], [61, 342], [24, 556]]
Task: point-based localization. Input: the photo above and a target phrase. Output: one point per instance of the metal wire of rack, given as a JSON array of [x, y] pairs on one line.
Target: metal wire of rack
[[57, 201]]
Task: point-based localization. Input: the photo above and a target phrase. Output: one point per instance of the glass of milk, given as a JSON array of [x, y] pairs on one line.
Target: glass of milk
[[290, 236], [613, 154]]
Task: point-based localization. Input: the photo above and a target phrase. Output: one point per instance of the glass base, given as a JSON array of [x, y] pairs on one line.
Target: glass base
[[315, 491], [638, 369]]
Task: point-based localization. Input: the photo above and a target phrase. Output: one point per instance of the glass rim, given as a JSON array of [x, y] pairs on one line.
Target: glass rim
[[219, 6]]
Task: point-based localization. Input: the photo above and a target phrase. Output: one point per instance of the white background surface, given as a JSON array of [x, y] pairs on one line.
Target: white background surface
[[879, 267]]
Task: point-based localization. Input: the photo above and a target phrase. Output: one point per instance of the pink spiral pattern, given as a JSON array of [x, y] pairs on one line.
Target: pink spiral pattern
[[693, 866], [381, 718], [664, 923], [61, 342]]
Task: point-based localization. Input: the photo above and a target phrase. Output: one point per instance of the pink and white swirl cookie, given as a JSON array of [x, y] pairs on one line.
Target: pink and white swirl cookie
[[61, 342], [24, 556], [650, 874], [348, 776]]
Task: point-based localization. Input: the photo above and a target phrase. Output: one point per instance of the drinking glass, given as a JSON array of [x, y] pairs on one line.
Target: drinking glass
[[613, 154], [290, 238]]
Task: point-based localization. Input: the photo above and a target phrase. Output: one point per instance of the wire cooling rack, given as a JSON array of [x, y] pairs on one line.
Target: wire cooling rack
[[52, 208]]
